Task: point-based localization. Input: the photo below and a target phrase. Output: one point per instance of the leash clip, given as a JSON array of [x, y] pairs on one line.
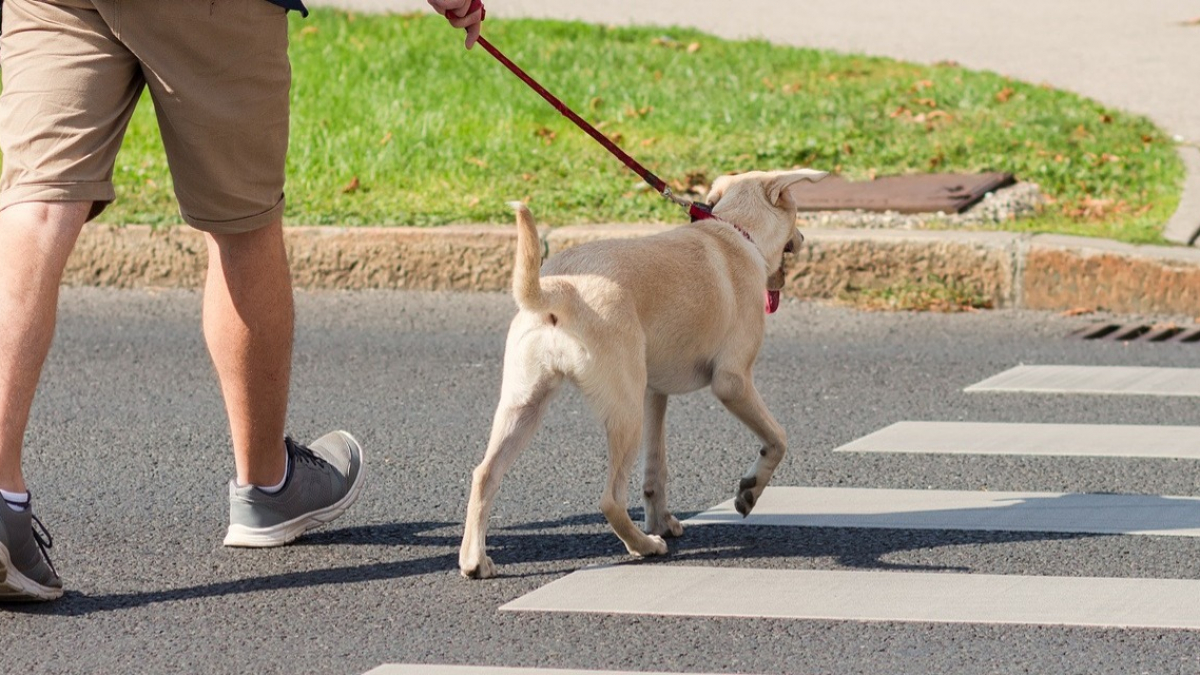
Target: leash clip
[[700, 211]]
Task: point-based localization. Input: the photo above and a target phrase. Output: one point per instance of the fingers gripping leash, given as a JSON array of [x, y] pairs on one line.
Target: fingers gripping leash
[[475, 6], [470, 19]]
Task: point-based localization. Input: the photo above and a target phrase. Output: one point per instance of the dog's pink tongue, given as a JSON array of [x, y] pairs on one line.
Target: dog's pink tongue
[[772, 301]]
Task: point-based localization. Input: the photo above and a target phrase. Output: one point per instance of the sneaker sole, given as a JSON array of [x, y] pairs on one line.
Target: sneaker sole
[[16, 587], [287, 532]]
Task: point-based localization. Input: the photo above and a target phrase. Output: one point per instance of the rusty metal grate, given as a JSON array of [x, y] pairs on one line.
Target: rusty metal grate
[[1159, 333]]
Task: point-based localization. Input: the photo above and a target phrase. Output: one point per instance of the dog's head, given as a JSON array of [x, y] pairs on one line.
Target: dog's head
[[761, 203]]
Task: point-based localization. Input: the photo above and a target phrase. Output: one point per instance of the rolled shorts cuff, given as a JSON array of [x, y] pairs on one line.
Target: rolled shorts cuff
[[240, 225], [100, 194]]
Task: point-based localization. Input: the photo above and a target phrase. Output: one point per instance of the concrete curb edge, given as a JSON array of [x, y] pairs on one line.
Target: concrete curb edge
[[1048, 272]]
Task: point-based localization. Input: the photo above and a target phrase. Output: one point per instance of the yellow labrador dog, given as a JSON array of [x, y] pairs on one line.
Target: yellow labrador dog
[[631, 322]]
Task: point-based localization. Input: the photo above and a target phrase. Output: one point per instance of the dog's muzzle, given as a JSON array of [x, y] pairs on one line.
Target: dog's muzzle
[[794, 243], [773, 295]]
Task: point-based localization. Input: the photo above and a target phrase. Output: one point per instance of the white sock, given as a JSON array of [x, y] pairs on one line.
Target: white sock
[[274, 489], [17, 501]]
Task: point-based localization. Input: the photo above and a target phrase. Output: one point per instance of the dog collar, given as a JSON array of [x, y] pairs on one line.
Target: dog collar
[[700, 211]]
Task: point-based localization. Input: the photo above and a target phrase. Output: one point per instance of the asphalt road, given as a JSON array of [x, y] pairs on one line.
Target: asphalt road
[[128, 459]]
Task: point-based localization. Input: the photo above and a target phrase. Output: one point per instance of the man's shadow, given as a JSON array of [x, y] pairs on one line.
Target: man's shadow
[[509, 549]]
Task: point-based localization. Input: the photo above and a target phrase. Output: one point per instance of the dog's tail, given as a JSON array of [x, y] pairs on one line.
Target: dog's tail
[[527, 287]]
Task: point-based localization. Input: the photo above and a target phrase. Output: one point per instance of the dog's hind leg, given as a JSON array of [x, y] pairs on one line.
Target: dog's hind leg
[[618, 404], [523, 402], [654, 490], [624, 437], [736, 390]]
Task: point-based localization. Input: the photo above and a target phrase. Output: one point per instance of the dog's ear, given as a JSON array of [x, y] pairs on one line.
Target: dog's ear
[[778, 189], [718, 189]]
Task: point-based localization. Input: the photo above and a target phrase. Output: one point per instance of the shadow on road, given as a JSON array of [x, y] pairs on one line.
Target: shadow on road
[[579, 540]]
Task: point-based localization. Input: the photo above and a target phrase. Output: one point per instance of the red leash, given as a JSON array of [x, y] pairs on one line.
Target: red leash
[[697, 211]]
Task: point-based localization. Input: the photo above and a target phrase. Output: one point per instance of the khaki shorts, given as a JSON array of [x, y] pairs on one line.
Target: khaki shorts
[[217, 71]]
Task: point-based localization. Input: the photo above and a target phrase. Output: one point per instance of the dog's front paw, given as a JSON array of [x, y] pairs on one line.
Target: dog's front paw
[[480, 569], [744, 503], [653, 545]]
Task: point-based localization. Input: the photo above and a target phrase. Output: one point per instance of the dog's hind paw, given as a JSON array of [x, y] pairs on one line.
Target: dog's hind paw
[[654, 545], [484, 569], [668, 527]]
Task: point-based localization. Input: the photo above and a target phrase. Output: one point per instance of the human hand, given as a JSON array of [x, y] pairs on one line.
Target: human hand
[[466, 14]]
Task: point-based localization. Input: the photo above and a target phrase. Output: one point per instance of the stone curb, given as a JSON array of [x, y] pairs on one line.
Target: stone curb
[[1048, 272]]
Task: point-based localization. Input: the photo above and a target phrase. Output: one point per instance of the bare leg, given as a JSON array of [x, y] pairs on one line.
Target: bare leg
[[248, 325], [35, 241], [654, 490]]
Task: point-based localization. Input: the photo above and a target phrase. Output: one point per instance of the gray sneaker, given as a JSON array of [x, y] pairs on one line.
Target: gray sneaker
[[323, 481], [26, 574]]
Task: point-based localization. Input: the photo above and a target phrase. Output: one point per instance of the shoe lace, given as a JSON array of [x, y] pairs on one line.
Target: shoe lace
[[301, 453], [44, 541]]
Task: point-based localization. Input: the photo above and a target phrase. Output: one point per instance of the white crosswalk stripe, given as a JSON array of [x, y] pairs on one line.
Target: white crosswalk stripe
[[870, 596], [1095, 380], [1078, 440], [966, 510]]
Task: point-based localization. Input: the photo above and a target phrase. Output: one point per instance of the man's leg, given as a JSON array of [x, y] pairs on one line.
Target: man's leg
[[248, 325], [35, 241], [226, 144], [282, 489]]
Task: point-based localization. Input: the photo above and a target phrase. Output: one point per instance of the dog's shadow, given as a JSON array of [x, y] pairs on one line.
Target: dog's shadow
[[855, 548], [864, 548], [537, 542]]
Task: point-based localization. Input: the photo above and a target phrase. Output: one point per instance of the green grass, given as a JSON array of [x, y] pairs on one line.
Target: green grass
[[395, 124]]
